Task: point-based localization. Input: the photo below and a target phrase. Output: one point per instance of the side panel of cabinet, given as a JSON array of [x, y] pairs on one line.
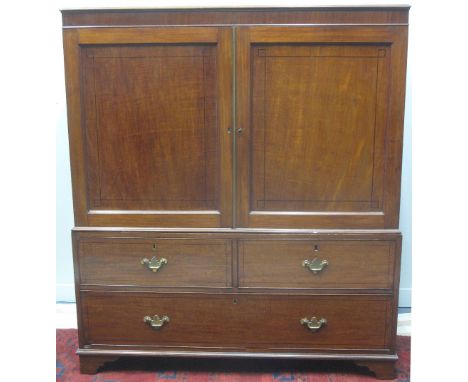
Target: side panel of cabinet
[[149, 110], [321, 112]]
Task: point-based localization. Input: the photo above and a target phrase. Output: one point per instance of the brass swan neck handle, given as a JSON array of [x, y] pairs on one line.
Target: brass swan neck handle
[[156, 322], [315, 265], [314, 324], [154, 264]]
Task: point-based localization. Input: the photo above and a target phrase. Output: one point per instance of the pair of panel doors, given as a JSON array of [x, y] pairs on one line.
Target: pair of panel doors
[[226, 127]]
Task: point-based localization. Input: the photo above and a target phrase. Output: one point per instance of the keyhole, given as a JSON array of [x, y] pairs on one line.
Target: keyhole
[[234, 301], [154, 247], [316, 248]]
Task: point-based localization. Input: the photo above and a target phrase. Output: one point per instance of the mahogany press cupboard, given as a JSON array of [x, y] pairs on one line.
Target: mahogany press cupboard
[[236, 181]]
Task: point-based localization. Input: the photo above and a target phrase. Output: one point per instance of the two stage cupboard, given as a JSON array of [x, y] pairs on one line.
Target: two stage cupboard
[[236, 181]]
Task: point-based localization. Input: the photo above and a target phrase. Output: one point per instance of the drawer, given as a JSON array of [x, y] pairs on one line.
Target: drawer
[[237, 321], [349, 264], [188, 262]]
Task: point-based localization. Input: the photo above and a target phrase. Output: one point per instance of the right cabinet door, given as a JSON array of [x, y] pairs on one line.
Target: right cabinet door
[[319, 126]]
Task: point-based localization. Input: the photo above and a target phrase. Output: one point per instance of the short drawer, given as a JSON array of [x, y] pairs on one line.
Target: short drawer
[[169, 262], [316, 264], [237, 321]]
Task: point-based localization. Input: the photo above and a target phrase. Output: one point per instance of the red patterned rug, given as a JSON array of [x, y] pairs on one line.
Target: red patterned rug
[[229, 370]]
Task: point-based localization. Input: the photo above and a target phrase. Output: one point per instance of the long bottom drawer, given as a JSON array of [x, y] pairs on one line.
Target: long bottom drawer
[[237, 321]]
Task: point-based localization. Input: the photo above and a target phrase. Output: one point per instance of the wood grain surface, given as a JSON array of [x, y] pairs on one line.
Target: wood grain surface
[[351, 264], [190, 263], [254, 321]]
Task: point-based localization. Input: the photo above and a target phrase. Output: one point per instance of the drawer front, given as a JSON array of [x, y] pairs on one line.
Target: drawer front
[[331, 264], [188, 262], [237, 321]]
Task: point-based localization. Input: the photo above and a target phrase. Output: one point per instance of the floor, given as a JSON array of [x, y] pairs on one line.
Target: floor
[[66, 319]]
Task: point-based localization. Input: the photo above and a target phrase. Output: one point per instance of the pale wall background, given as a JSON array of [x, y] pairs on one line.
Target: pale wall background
[[64, 218]]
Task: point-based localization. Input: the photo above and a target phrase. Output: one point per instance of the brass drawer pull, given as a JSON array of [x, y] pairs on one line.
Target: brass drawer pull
[[154, 264], [315, 265], [156, 322], [313, 324]]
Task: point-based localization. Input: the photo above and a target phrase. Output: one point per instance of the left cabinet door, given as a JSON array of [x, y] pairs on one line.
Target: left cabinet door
[[149, 114]]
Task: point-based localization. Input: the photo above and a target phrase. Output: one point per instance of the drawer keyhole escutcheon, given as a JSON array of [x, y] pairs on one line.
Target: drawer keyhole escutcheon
[[154, 264], [315, 265], [156, 322], [313, 324]]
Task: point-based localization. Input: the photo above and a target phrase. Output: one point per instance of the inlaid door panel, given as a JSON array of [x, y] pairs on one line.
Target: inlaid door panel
[[313, 105], [156, 108], [151, 125]]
